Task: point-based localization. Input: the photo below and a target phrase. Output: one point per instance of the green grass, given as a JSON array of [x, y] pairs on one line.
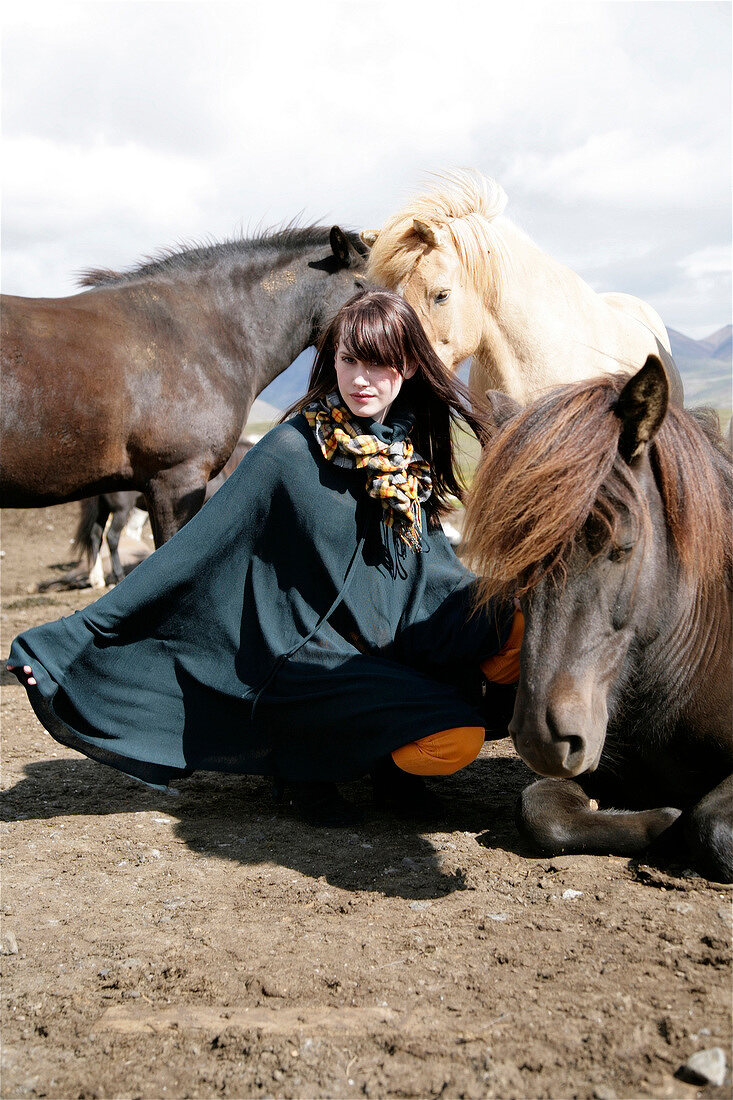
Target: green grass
[[259, 427], [468, 452]]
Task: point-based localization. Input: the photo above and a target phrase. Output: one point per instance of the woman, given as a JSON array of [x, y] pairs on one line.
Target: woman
[[311, 622]]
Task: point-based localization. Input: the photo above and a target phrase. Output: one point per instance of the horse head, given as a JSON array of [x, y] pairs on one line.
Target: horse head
[[448, 304], [566, 512], [581, 625], [442, 253]]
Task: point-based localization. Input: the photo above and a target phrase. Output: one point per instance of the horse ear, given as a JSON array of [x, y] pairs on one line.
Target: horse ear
[[641, 407], [369, 237], [427, 232], [340, 246], [502, 407]]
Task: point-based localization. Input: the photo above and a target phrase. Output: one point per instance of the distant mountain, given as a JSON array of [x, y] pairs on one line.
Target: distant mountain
[[705, 366], [684, 347], [262, 412], [721, 343], [717, 346]]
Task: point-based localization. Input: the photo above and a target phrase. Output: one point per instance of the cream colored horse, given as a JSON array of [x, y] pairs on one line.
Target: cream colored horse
[[482, 288]]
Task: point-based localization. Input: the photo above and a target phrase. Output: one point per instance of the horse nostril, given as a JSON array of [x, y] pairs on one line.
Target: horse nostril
[[553, 726], [576, 750]]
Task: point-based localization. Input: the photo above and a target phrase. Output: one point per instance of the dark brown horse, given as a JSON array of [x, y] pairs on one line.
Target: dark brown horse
[[145, 380], [94, 512], [609, 513]]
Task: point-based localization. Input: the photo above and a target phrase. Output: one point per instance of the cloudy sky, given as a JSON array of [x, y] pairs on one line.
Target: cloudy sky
[[132, 126]]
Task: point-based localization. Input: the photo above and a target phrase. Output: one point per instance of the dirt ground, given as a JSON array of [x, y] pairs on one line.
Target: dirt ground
[[206, 943]]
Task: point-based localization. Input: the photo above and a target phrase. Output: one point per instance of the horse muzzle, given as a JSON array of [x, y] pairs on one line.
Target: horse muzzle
[[561, 739], [561, 759]]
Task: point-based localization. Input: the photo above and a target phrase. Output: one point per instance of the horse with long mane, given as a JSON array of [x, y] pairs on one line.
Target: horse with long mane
[[145, 380], [482, 288], [609, 512]]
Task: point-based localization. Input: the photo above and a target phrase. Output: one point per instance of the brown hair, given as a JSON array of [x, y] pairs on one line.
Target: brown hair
[[379, 327], [555, 465]]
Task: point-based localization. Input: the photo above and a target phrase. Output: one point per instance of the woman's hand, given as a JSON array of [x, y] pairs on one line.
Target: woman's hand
[[28, 672]]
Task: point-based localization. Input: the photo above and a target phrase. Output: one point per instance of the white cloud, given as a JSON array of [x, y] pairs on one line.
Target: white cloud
[[619, 168], [53, 182], [715, 260], [130, 126], [68, 207]]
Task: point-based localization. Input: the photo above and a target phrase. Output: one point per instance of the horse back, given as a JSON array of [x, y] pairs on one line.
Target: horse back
[[641, 311], [93, 382], [58, 346], [85, 338]]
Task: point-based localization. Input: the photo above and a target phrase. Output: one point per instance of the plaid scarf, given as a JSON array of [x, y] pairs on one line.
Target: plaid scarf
[[396, 476]]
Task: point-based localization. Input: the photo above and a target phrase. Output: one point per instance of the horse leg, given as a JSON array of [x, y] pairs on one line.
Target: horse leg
[[120, 505], [135, 523], [709, 832], [174, 496], [119, 519], [556, 816], [96, 570], [94, 545]]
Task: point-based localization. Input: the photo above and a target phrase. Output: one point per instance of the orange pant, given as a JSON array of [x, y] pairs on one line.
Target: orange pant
[[450, 750], [503, 667], [441, 753]]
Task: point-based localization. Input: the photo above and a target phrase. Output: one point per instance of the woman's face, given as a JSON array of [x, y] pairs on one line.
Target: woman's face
[[367, 389]]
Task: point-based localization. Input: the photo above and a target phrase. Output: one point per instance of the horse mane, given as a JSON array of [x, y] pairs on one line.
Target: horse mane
[[555, 466], [466, 204], [195, 255]]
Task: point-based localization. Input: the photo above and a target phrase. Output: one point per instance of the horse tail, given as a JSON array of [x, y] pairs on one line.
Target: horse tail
[[92, 511]]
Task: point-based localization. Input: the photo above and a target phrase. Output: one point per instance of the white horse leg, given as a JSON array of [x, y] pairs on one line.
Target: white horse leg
[[96, 572], [135, 523]]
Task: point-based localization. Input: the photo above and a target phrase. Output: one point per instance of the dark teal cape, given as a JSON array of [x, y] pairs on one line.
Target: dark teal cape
[[285, 630]]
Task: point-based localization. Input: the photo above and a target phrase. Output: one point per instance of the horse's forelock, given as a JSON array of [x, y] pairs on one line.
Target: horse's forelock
[[466, 206], [537, 485], [482, 253], [556, 463], [460, 193]]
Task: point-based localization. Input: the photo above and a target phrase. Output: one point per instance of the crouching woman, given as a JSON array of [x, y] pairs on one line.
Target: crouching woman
[[312, 622]]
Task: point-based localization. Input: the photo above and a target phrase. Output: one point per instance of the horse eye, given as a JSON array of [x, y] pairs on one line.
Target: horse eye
[[442, 296], [618, 553]]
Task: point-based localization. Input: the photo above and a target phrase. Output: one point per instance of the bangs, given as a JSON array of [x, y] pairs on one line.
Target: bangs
[[371, 335]]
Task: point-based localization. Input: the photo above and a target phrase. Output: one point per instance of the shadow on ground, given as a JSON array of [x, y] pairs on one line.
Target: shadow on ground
[[236, 818], [76, 575]]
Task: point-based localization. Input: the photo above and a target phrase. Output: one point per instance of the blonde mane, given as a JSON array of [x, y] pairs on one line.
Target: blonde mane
[[465, 205]]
